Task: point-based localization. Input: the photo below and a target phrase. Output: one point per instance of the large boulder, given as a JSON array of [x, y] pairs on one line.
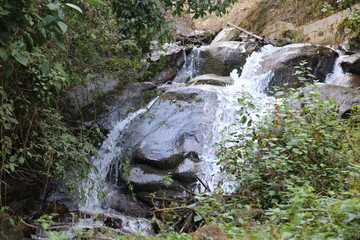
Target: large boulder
[[227, 34], [283, 61], [171, 138], [343, 97], [116, 105], [220, 58], [351, 64], [81, 96], [347, 80]]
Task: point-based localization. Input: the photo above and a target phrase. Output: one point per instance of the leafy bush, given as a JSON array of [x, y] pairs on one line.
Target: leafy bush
[[302, 141]]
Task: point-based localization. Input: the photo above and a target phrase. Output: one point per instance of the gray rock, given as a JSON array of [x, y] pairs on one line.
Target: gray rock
[[174, 127], [343, 97], [116, 105], [220, 58], [81, 96], [121, 201], [211, 79], [282, 62], [348, 80], [146, 178], [227, 34], [351, 64]]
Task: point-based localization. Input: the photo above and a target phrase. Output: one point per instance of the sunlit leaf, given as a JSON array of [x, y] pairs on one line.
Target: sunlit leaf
[[62, 26], [74, 7]]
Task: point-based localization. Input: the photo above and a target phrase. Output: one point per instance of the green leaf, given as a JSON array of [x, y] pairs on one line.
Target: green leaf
[[21, 160], [48, 19], [45, 68], [62, 26], [197, 218], [3, 54], [3, 12], [43, 32], [74, 7], [53, 6], [21, 59]]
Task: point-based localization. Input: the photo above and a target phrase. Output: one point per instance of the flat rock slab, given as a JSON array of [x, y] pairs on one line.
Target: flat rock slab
[[211, 79]]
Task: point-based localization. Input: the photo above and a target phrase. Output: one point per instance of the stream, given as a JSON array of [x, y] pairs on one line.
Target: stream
[[174, 135]]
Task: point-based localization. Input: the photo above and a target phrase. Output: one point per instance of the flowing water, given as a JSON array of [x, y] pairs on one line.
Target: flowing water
[[226, 112]]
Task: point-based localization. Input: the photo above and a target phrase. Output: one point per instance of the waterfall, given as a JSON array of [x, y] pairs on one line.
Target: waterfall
[[337, 70], [252, 82], [102, 161]]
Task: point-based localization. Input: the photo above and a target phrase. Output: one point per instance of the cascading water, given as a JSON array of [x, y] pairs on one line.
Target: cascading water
[[247, 83], [252, 81], [107, 155]]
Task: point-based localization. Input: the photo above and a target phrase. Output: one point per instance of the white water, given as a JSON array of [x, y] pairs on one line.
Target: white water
[[247, 83], [337, 71], [250, 84], [107, 154]]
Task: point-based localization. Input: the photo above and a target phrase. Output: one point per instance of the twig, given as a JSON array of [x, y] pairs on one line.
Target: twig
[[247, 32], [206, 186]]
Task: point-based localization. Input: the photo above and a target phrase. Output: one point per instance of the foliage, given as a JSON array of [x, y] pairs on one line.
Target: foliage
[[300, 142], [146, 20]]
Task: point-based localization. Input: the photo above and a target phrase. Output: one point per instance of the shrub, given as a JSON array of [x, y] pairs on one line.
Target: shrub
[[302, 141]]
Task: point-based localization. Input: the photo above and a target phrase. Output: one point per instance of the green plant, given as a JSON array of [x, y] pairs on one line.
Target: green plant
[[146, 20], [300, 142]]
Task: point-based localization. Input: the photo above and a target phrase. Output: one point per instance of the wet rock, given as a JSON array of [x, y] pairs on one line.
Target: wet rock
[[9, 231], [211, 79], [227, 34], [282, 62], [157, 158], [351, 64], [115, 223], [183, 76], [209, 231], [146, 178], [120, 200], [221, 58], [116, 105], [186, 96], [174, 127], [165, 75], [343, 97], [348, 80], [186, 171], [80, 96]]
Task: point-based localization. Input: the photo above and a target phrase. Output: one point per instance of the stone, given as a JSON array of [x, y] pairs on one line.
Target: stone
[[174, 127], [165, 75], [147, 178], [348, 80], [282, 62], [211, 79], [227, 34], [116, 105], [120, 200], [343, 97], [81, 96], [209, 231], [220, 58], [351, 64]]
